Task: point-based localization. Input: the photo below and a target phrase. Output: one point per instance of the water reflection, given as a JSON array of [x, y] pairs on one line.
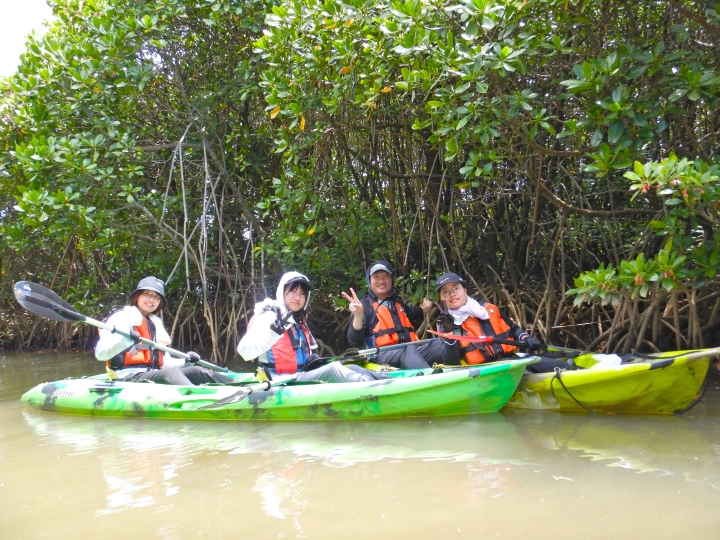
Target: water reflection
[[141, 460], [665, 445], [514, 474]]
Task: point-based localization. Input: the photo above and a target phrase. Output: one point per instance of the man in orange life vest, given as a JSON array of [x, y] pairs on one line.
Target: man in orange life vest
[[381, 318], [466, 316]]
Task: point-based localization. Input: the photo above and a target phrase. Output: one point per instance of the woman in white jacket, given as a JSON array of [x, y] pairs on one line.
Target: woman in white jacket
[[128, 360], [279, 338]]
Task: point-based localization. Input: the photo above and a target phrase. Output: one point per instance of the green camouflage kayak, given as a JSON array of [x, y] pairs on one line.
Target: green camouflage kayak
[[479, 389]]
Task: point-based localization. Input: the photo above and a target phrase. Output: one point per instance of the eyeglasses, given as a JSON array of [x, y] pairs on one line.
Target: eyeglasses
[[455, 290], [151, 295]]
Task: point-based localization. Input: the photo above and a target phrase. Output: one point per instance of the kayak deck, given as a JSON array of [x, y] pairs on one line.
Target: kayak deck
[[476, 390], [666, 383]]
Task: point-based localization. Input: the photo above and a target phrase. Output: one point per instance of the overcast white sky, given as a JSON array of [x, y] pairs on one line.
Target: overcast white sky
[[17, 19]]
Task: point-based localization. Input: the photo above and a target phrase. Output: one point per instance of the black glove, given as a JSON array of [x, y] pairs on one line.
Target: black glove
[[134, 335], [193, 357], [534, 343], [445, 321], [313, 362], [278, 326]]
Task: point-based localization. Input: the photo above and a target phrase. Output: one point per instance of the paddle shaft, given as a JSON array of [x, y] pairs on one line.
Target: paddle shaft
[[159, 346], [516, 343], [378, 350], [352, 356], [487, 340]]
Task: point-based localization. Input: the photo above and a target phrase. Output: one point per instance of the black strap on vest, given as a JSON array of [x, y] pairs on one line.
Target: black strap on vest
[[296, 344], [488, 330], [403, 332], [155, 354], [118, 361]]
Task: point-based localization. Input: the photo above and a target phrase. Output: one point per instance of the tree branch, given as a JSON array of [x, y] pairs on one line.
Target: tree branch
[[695, 18], [565, 207]]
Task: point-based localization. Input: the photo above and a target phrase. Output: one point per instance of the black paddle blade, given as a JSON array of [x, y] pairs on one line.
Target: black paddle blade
[[45, 303], [243, 393], [233, 398]]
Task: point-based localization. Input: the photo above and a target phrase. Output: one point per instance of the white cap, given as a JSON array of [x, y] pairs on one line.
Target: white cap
[[377, 267]]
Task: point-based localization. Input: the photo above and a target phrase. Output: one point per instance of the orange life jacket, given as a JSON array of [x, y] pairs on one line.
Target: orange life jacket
[[142, 355], [393, 325], [477, 353]]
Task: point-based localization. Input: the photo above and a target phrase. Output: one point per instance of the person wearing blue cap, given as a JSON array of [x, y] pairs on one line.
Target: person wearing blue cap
[[464, 316], [127, 359], [381, 318]]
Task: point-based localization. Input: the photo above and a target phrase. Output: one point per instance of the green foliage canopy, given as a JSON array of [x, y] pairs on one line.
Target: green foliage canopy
[[219, 142]]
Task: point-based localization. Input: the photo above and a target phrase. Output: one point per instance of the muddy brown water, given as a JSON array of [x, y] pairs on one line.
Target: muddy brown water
[[514, 474]]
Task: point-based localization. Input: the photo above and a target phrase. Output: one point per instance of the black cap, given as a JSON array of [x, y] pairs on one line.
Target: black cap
[[300, 279], [450, 277]]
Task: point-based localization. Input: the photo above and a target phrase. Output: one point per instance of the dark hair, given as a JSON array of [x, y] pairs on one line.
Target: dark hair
[[295, 285], [136, 295], [300, 315]]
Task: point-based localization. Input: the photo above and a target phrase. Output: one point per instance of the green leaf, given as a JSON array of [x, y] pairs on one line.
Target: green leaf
[[615, 132]]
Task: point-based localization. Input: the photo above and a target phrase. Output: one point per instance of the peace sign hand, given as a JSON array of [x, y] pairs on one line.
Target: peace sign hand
[[356, 306]]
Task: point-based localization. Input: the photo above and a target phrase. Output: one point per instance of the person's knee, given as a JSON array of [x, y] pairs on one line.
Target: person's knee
[[201, 375], [172, 376], [412, 359]]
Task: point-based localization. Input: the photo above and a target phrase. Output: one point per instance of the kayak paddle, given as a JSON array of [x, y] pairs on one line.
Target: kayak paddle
[[378, 350], [483, 339], [47, 304], [352, 355], [491, 339], [245, 391]]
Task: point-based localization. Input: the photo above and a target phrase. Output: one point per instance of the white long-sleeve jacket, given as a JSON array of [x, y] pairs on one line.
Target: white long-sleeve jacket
[[259, 337], [111, 344]]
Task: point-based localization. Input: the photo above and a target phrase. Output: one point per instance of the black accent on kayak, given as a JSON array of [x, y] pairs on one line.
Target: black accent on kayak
[[662, 363], [233, 398], [653, 356], [697, 397], [241, 394], [559, 378], [561, 355], [105, 390]]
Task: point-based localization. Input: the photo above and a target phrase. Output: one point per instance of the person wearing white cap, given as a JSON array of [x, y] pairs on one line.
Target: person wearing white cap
[[279, 338], [128, 360], [381, 318]]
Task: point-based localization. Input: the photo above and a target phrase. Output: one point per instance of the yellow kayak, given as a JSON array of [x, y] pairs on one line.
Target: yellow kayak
[[663, 383]]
